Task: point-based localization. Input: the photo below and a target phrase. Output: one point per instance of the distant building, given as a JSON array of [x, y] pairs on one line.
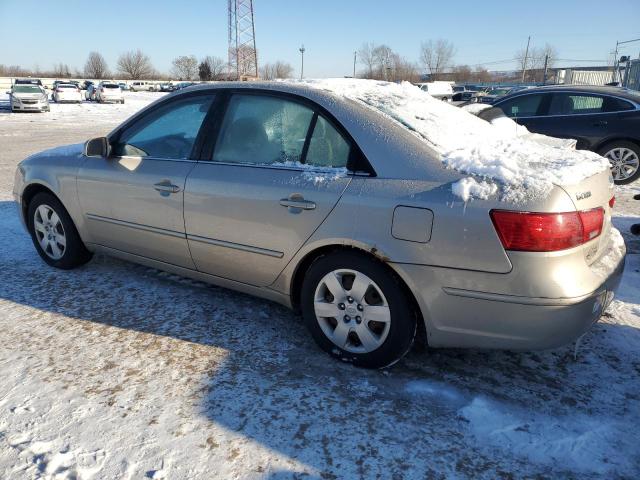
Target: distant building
[[585, 75]]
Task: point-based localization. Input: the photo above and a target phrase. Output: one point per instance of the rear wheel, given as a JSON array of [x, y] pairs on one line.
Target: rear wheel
[[53, 233], [357, 310], [624, 157]]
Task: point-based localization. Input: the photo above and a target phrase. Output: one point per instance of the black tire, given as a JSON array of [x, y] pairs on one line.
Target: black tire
[[623, 144], [403, 324], [75, 253]]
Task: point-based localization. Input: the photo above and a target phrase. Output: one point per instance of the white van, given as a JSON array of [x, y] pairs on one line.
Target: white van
[[139, 86], [441, 90]]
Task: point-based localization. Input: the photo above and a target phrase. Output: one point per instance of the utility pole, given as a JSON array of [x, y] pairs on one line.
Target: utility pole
[[355, 57], [302, 49], [544, 75], [526, 57]]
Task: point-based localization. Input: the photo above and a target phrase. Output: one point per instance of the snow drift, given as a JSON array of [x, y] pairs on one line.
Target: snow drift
[[520, 166]]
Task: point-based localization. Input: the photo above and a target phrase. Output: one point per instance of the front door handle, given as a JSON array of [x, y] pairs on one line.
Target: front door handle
[[296, 203], [601, 123], [166, 187]]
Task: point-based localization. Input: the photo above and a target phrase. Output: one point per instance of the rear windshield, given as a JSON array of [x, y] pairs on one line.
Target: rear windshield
[[26, 89], [66, 86], [110, 85]]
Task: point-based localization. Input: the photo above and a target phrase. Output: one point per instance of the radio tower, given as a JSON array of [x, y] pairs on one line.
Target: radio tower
[[243, 58]]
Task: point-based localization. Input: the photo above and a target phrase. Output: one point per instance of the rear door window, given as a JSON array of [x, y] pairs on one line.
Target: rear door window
[[522, 106], [263, 130], [327, 147], [575, 104]]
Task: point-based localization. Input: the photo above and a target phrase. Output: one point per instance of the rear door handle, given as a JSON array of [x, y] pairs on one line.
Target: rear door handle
[[601, 123], [166, 187], [296, 203]]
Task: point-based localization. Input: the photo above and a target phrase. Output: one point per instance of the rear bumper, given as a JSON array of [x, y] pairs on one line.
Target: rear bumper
[[466, 318]]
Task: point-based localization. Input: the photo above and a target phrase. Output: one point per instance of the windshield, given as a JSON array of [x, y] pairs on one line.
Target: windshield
[[111, 85], [67, 86], [26, 89]]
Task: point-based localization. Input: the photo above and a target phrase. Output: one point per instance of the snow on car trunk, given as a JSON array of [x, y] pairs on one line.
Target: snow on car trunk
[[521, 167]]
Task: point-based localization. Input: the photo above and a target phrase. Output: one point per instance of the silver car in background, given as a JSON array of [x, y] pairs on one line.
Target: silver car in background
[[28, 98], [300, 196]]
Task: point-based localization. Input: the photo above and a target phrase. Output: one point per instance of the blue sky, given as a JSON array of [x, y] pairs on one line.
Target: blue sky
[[41, 33]]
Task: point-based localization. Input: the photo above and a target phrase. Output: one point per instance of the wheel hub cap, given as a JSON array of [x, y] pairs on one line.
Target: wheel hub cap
[[352, 311], [624, 162], [49, 232]]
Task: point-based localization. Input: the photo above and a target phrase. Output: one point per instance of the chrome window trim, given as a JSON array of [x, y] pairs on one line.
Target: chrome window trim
[[236, 246], [139, 157], [313, 169]]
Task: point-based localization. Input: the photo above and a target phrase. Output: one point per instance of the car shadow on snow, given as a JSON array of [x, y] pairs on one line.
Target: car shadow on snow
[[436, 413]]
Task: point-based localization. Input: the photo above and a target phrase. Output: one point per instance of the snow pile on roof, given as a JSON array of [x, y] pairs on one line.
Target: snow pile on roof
[[469, 144]]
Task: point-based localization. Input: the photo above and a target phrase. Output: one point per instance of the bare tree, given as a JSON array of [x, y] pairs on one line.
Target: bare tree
[[383, 61], [61, 70], [12, 71], [213, 67], [462, 73], [482, 75], [436, 56], [135, 65], [185, 67], [365, 57], [96, 66], [279, 69]]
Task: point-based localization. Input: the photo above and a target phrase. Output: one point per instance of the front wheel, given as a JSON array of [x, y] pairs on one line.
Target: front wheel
[[357, 310], [624, 157], [53, 233]]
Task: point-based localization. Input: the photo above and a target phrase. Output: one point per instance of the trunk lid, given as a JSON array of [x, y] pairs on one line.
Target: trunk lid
[[594, 192]]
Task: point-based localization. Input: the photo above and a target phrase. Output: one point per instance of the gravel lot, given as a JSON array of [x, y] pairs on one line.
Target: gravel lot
[[115, 370]]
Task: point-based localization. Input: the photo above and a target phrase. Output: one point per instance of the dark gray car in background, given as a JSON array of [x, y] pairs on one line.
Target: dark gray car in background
[[605, 120]]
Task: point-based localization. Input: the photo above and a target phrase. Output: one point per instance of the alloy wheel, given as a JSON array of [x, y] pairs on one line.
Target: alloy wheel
[[352, 311], [49, 232], [624, 162]]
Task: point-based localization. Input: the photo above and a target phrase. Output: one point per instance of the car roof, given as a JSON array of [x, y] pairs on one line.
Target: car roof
[[602, 90]]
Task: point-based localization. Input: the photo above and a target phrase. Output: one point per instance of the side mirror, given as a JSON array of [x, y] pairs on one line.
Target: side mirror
[[97, 147], [8, 92]]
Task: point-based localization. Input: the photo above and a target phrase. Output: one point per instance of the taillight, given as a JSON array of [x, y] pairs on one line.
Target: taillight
[[592, 221], [612, 202], [546, 232]]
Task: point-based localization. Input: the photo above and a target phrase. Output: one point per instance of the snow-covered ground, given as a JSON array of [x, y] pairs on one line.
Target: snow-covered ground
[[119, 371]]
